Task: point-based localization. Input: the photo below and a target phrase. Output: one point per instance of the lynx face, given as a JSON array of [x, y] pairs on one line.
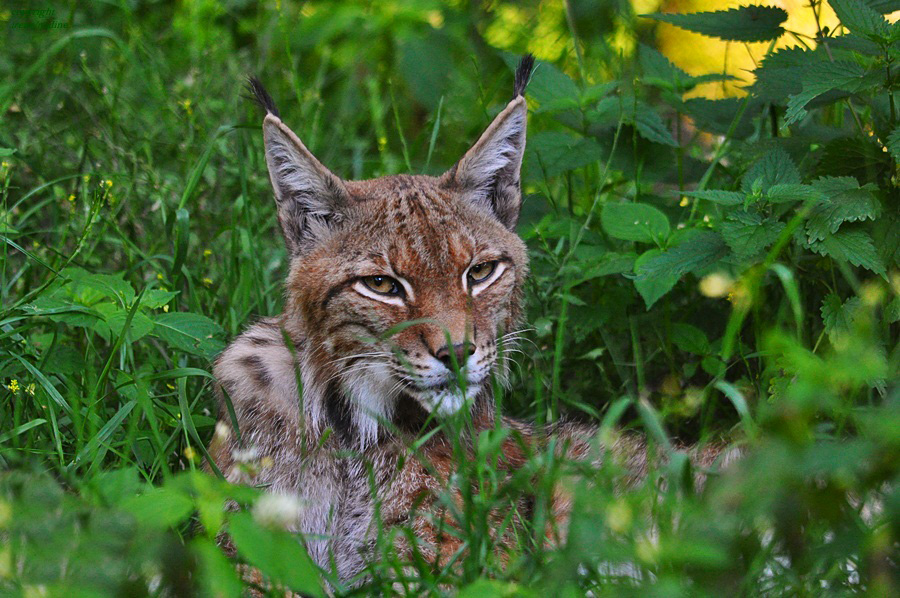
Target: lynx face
[[402, 285]]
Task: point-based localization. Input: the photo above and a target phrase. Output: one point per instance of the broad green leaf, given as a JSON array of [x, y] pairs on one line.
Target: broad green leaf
[[189, 332], [726, 198], [104, 285], [861, 19], [491, 588], [657, 70], [838, 316], [550, 85], [748, 233], [115, 317], [695, 250], [634, 222], [218, 575], [844, 201], [690, 339], [424, 63], [156, 298], [820, 78], [652, 288], [774, 168], [278, 554], [551, 153], [6, 151], [609, 263], [743, 24], [159, 507], [854, 246]]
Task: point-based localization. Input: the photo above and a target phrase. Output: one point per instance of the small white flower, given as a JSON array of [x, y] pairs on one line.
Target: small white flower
[[223, 432], [277, 510], [245, 455]]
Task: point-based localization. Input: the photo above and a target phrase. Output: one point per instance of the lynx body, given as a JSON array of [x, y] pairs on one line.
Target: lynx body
[[396, 285]]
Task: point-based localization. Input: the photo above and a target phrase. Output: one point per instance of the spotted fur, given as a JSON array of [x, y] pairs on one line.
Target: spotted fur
[[331, 395]]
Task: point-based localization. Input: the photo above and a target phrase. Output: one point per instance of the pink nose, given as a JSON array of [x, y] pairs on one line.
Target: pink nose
[[460, 351]]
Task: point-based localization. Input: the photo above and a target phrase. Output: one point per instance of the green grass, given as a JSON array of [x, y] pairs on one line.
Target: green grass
[[139, 235]]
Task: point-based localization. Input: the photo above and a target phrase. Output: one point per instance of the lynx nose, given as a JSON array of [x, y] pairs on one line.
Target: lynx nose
[[460, 351]]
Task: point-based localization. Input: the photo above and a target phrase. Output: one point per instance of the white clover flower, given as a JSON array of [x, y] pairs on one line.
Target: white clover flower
[[277, 510]]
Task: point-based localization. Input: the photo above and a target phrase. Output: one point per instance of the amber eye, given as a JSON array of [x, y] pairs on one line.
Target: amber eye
[[480, 272], [383, 285]]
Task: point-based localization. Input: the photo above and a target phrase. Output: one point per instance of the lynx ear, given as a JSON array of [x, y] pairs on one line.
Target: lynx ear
[[310, 198], [489, 172]]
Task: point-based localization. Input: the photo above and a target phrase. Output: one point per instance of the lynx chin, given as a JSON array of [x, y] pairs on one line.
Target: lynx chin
[[403, 298]]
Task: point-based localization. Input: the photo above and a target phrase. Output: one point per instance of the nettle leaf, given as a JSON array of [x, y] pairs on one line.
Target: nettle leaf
[[858, 157], [786, 192], [861, 19], [725, 198], [748, 233], [552, 153], [690, 339], [634, 222], [652, 288], [837, 316], [659, 71], [717, 116], [189, 332], [743, 24], [844, 201], [781, 73], [694, 250], [647, 121], [854, 246], [823, 77], [883, 6], [893, 143], [774, 168]]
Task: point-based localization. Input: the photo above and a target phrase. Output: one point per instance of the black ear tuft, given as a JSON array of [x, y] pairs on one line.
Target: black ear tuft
[[523, 74], [261, 96]]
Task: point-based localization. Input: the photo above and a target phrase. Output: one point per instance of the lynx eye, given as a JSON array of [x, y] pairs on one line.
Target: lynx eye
[[383, 285], [481, 272]]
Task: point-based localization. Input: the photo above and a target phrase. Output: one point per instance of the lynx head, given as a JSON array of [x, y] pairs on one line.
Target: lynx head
[[401, 286]]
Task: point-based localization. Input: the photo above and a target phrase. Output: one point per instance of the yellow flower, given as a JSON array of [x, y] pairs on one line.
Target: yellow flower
[[207, 252], [86, 178], [166, 308], [186, 104], [207, 281], [71, 198], [159, 276], [13, 386], [190, 453], [684, 201], [107, 183]]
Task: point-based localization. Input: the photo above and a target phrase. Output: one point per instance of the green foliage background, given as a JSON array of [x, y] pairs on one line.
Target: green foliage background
[[702, 269]]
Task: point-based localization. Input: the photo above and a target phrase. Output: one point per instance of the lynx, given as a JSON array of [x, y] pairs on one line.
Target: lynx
[[403, 292]]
